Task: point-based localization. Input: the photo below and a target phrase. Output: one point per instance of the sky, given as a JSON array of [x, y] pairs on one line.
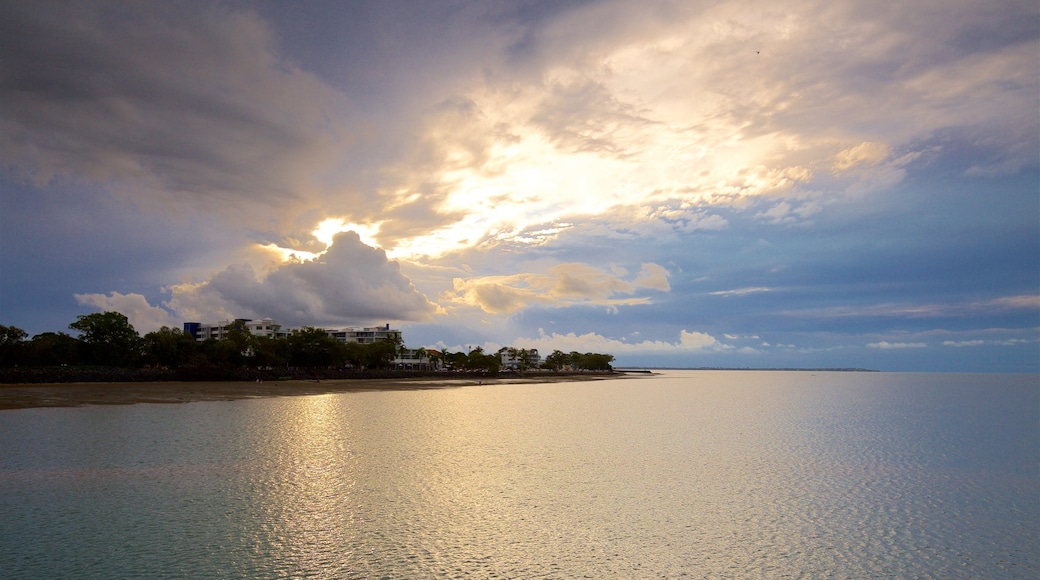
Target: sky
[[781, 183]]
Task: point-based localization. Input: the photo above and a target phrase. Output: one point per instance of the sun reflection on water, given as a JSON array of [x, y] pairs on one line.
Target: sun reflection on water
[[305, 497]]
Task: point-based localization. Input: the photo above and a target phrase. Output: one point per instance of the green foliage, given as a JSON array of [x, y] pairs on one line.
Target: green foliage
[[12, 345], [381, 354], [53, 349], [270, 352], [313, 348], [168, 347], [109, 339], [577, 361], [11, 335], [355, 355], [476, 360], [556, 361]]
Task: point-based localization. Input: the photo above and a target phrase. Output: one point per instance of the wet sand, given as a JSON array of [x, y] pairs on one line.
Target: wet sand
[[26, 396]]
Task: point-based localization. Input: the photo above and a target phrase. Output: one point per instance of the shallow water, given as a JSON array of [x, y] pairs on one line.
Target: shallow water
[[711, 474]]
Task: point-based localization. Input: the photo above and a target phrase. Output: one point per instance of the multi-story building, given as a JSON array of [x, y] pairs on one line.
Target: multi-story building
[[271, 329], [366, 335], [263, 327], [520, 358], [419, 359]]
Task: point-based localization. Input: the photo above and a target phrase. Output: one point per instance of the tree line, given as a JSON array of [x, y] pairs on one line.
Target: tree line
[[108, 339], [478, 360]]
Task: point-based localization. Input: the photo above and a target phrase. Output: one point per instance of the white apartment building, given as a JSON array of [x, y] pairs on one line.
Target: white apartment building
[[414, 359], [272, 329], [264, 327], [514, 358], [366, 335]]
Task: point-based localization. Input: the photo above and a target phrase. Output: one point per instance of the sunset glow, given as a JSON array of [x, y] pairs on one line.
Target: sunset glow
[[554, 174]]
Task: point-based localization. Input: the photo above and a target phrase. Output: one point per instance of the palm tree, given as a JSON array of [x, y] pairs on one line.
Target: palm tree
[[525, 359]]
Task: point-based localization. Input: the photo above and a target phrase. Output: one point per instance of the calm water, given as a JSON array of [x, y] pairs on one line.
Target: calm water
[[688, 474]]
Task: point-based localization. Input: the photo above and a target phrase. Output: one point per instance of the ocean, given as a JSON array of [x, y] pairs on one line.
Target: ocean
[[683, 474]]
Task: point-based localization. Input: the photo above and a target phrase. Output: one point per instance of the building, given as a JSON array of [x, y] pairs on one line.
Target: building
[[419, 359], [520, 358], [366, 335], [264, 327], [271, 329]]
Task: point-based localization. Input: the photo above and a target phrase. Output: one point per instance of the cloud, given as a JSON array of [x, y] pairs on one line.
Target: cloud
[[862, 154], [143, 316], [523, 151], [654, 277], [184, 103], [885, 345], [689, 342], [588, 108], [741, 291], [698, 341], [350, 283], [561, 285], [954, 309], [978, 342], [626, 114], [962, 343]]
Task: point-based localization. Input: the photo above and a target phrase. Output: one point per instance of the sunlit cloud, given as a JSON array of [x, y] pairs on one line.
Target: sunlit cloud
[[349, 283], [560, 285], [862, 154], [603, 165]]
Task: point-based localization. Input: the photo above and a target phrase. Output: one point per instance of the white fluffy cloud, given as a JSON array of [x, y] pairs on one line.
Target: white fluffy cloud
[[350, 283], [143, 316]]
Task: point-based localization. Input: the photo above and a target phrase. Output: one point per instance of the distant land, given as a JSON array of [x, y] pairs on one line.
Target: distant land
[[822, 369]]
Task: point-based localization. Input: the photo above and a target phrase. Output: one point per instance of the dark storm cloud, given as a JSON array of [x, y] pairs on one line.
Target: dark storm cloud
[[171, 99]]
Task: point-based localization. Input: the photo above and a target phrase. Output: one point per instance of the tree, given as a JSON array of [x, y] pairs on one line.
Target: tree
[[455, 360], [109, 338], [355, 355], [53, 349], [476, 359], [436, 359], [381, 354], [168, 347], [313, 347], [596, 362], [525, 359], [556, 361], [270, 352], [238, 334], [12, 344], [576, 360]]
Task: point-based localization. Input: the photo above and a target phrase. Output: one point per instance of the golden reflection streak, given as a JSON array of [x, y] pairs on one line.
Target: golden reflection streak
[[309, 517]]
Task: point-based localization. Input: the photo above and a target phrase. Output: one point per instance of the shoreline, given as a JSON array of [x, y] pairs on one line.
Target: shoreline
[[42, 395]]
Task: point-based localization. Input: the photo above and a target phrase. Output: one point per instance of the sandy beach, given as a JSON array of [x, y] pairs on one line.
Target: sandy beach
[[25, 396]]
